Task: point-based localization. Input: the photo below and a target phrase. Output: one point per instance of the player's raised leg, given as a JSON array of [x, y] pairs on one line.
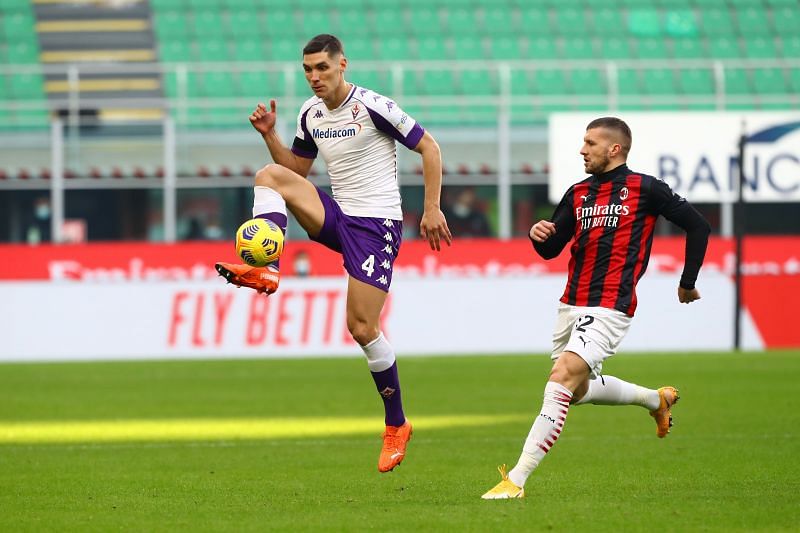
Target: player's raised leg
[[610, 390], [276, 187], [364, 305]]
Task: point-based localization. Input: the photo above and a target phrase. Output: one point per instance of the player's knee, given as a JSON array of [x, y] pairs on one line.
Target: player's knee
[[362, 332], [268, 176]]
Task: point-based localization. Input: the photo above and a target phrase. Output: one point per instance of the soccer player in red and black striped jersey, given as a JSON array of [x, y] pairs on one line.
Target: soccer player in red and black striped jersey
[[609, 217]]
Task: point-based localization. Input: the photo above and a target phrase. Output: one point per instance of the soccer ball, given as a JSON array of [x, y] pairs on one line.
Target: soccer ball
[[259, 241]]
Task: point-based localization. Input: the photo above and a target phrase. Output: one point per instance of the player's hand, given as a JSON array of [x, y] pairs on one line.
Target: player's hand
[[686, 296], [433, 228], [262, 120], [542, 230]]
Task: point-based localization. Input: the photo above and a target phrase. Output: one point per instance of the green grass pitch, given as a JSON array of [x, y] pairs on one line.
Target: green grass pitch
[[293, 444]]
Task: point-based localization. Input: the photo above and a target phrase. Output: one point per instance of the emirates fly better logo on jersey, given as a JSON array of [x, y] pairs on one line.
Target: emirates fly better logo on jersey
[[601, 215]]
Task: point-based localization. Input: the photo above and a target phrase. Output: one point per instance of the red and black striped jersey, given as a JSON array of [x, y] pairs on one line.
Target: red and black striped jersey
[[612, 218]]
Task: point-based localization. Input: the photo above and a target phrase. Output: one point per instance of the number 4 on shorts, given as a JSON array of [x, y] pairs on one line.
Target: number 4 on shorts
[[368, 266]]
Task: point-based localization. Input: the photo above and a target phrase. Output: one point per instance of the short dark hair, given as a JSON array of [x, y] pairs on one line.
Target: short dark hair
[[615, 124], [324, 42]]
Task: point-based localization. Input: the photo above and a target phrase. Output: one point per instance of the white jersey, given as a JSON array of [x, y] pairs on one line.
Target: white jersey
[[356, 141]]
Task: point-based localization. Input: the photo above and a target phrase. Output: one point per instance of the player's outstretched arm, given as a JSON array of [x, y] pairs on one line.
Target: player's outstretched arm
[[433, 225], [263, 121]]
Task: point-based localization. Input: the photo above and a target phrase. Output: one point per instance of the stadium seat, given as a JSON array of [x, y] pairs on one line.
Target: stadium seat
[[787, 21], [628, 82], [359, 49], [753, 22], [688, 49], [461, 22], [207, 24], [287, 49], [571, 21], [615, 49], [468, 48], [717, 23], [213, 50], [388, 20], [696, 81], [379, 82], [535, 18], [521, 82], [607, 21], [171, 25], [478, 82], [218, 85], [724, 48], [550, 81], [22, 53], [644, 23], [353, 23], [505, 48], [499, 21], [425, 21], [680, 23], [794, 80], [651, 49], [439, 82], [790, 47], [256, 84], [542, 48], [243, 25], [394, 48], [769, 81], [658, 81], [280, 23], [578, 49], [737, 82], [588, 82], [316, 22], [760, 48], [431, 48], [249, 50], [175, 51]]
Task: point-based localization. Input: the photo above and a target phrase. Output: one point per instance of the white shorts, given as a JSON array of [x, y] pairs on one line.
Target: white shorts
[[594, 333]]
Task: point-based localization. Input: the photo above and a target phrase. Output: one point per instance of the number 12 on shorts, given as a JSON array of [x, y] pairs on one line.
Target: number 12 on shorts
[[368, 266]]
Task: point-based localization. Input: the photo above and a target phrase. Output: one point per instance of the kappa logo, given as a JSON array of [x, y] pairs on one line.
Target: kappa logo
[[376, 98], [318, 114], [389, 105], [362, 92], [623, 193], [355, 111]]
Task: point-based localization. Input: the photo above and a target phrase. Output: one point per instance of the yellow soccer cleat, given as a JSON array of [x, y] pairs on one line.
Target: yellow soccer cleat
[[668, 397], [505, 490]]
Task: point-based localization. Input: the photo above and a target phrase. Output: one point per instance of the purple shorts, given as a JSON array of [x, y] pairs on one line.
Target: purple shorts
[[368, 245]]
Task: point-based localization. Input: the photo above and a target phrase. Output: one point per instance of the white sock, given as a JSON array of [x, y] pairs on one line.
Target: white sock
[[380, 354], [266, 200], [608, 390], [544, 432]]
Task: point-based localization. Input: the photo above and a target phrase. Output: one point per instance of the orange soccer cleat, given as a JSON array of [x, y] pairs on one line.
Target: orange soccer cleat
[[395, 440], [261, 279], [668, 397]]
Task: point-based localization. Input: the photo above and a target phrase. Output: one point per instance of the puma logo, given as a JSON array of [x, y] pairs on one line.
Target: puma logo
[[584, 341]]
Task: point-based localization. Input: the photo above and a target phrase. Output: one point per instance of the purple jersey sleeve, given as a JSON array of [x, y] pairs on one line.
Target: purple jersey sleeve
[[389, 118], [304, 144]]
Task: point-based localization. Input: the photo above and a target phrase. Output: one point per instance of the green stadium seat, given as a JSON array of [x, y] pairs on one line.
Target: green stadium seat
[[521, 83], [280, 23], [790, 47], [781, 3], [740, 4], [542, 48], [688, 49], [499, 21], [769, 81], [439, 82], [171, 25], [26, 86], [301, 87], [256, 84], [615, 49], [387, 21], [550, 82], [22, 53], [425, 21], [394, 48], [787, 20], [431, 48], [242, 5], [204, 5], [175, 51], [680, 23], [696, 81], [316, 22], [375, 81], [359, 49], [411, 82], [18, 26], [724, 48], [737, 82], [218, 85], [607, 21], [207, 24], [461, 21], [588, 82], [794, 80], [571, 21], [535, 21], [468, 48], [159, 6], [478, 82], [578, 49], [675, 4], [32, 119], [505, 48], [172, 89], [344, 5], [752, 22], [717, 22], [651, 49], [352, 23], [628, 82], [287, 49], [243, 25], [760, 48], [659, 81], [249, 50], [644, 23], [213, 50]]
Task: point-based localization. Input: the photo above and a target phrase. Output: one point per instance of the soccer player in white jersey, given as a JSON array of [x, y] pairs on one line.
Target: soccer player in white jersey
[[354, 129]]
